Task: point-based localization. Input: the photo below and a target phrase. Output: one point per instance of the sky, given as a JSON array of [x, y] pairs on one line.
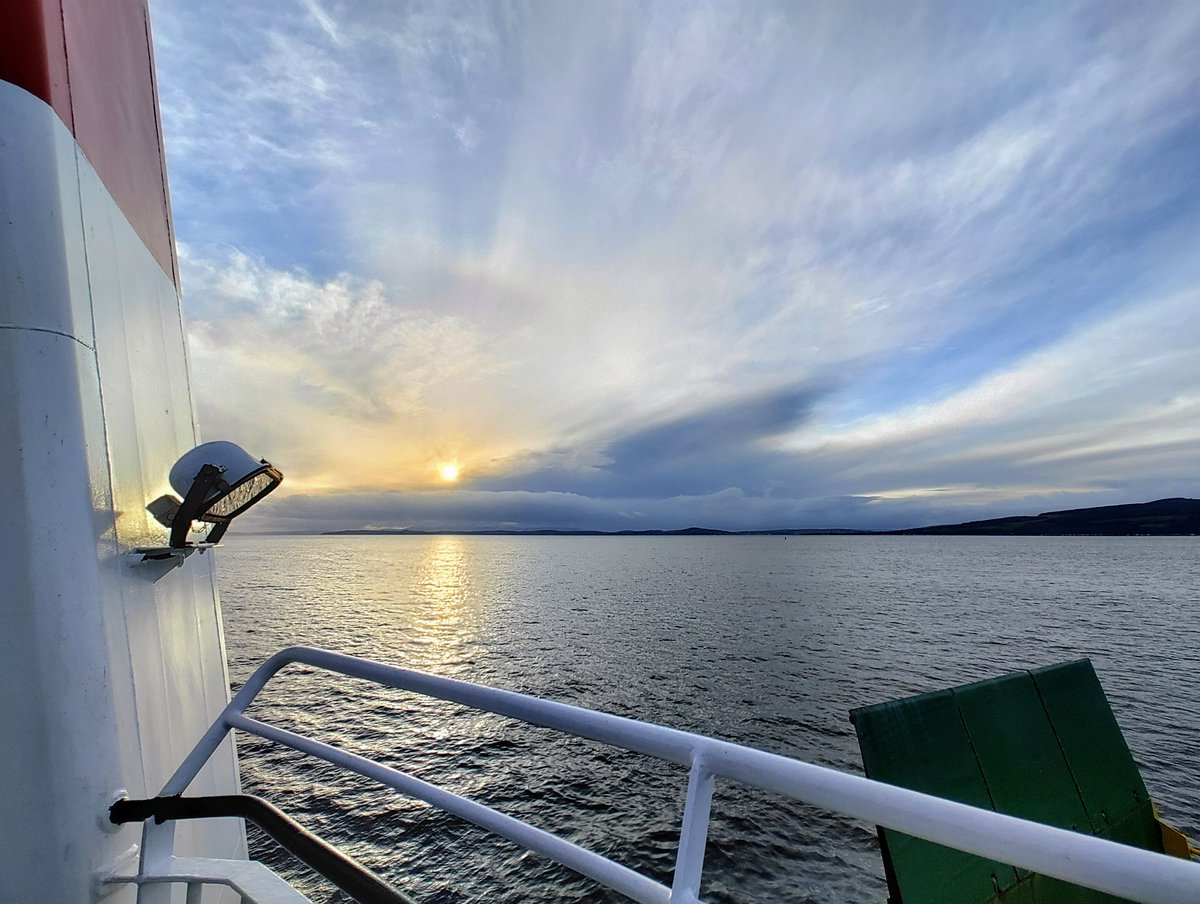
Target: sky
[[659, 265]]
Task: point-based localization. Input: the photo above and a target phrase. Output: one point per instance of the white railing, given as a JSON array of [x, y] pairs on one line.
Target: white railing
[[1096, 863]]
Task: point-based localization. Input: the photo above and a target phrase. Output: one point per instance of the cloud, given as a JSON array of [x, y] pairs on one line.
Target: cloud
[[324, 21], [1116, 399], [659, 258], [727, 509], [330, 378], [724, 445]]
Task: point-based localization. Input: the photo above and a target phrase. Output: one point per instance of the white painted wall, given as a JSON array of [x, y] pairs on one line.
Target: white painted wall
[[108, 673]]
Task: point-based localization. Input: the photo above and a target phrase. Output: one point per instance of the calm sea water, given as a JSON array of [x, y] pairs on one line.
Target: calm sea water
[[765, 641]]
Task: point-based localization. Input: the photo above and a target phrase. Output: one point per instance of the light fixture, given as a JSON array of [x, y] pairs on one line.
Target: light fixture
[[217, 482]]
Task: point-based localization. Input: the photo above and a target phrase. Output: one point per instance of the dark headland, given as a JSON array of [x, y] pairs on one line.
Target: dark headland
[[1162, 518]]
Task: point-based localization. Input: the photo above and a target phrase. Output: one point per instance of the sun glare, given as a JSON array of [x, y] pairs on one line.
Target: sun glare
[[448, 471]]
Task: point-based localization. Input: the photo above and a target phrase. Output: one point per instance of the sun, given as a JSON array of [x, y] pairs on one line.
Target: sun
[[448, 471]]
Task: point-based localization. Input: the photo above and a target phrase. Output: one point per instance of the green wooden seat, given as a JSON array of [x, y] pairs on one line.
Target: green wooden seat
[[1043, 745]]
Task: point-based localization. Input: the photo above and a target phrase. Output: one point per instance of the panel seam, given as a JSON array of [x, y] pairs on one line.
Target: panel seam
[[43, 329]]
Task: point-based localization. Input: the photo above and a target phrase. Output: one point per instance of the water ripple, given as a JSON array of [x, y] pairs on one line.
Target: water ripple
[[751, 639]]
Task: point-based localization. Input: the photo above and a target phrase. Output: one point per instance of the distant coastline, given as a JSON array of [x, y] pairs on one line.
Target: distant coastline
[[685, 532], [1161, 518]]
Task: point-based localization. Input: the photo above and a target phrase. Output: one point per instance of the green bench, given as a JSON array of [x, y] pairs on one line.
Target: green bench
[[1042, 745]]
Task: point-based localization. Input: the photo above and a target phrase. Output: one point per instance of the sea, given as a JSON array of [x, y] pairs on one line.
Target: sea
[[763, 640]]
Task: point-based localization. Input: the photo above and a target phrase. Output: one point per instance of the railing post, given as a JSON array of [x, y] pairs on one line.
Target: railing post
[[158, 847], [689, 862]]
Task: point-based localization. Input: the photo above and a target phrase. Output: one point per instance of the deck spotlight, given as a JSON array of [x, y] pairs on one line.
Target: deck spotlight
[[218, 481]]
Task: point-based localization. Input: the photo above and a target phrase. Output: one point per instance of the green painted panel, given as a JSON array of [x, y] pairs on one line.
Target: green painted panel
[[920, 743], [1054, 891], [1103, 768], [1041, 745], [1019, 753], [1037, 889], [927, 873], [1024, 892], [1138, 828]]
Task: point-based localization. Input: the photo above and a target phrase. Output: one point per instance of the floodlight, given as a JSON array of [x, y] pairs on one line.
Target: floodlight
[[217, 482]]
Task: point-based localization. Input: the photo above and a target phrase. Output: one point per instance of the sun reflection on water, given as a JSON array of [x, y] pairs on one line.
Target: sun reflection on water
[[445, 618]]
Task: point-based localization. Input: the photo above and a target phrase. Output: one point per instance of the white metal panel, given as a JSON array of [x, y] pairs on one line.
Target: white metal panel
[[175, 649], [140, 348], [43, 273], [113, 671], [59, 756]]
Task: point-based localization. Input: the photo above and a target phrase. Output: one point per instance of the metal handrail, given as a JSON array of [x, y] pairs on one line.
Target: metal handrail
[[346, 873], [1097, 863]]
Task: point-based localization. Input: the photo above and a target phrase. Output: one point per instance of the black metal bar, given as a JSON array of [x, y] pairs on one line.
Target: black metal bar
[[217, 532], [189, 508], [347, 874]]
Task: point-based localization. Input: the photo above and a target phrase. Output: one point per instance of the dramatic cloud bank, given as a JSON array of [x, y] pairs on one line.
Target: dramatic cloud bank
[[659, 265]]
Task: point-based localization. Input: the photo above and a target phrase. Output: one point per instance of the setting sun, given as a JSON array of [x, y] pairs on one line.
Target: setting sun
[[448, 471]]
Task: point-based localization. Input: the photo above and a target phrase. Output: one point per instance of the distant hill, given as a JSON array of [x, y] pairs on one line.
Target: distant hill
[[1164, 517]]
